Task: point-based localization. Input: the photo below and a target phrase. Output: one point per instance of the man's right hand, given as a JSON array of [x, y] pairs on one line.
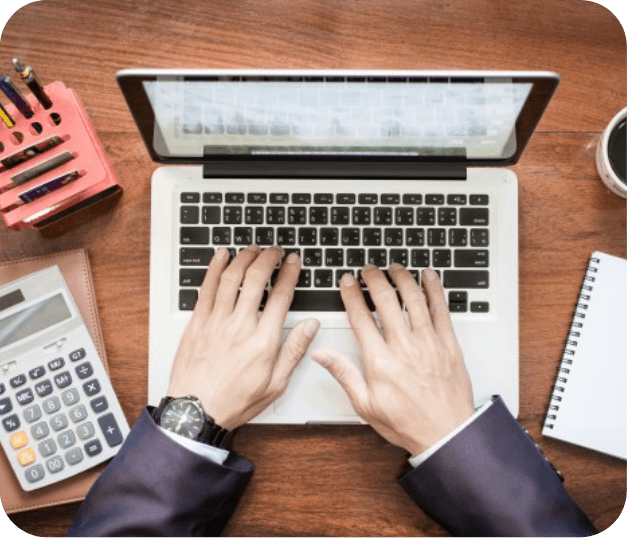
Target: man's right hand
[[415, 388]]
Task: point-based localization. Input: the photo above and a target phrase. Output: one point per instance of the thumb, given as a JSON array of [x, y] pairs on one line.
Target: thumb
[[295, 346], [346, 374]]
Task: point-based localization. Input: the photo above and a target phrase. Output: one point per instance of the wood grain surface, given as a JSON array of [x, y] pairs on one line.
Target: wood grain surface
[[333, 480]]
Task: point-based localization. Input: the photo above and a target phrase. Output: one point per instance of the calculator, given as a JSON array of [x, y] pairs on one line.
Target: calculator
[[59, 414]]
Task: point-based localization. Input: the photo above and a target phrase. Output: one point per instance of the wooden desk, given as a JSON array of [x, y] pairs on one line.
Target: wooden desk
[[311, 480]]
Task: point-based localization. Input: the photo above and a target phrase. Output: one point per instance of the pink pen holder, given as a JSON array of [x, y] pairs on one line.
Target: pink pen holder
[[73, 191]]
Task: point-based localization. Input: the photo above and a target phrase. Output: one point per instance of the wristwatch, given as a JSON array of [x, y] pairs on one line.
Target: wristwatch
[[186, 417]]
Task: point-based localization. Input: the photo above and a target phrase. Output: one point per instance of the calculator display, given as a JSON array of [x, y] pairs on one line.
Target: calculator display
[[33, 319]]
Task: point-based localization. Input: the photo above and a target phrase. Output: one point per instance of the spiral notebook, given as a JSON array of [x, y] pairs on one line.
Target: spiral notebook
[[589, 402]]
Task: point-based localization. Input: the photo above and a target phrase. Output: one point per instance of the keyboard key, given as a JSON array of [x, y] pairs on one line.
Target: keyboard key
[[434, 199], [441, 258], [301, 198], [275, 215], [372, 237], [345, 198], [318, 215], [26, 457], [466, 279], [334, 257], [415, 237], [17, 381], [312, 257], [110, 430], [340, 216], [350, 236], [341, 272], [221, 235], [286, 236], [329, 236], [399, 255], [474, 216], [479, 199], [256, 197], [393, 237], [47, 447], [307, 236], [458, 237], [361, 216], [63, 380], [456, 199], [11, 423], [264, 236], [323, 198], [34, 473], [412, 199], [5, 406], [56, 364], [297, 215], [368, 199], [322, 301], [93, 448], [425, 216], [58, 422], [78, 413], [211, 214], [191, 277], [391, 199], [471, 258], [232, 214], [383, 216], [84, 371], [304, 279], [404, 216], [36, 373], [24, 397], [2, 388], [436, 237], [54, 465], [32, 413], [212, 198], [51, 405], [234, 197], [66, 439], [420, 258], [91, 387], [99, 404], [447, 216], [190, 214], [195, 256], [457, 296], [74, 456], [378, 257], [187, 299], [194, 235], [78, 354], [190, 197], [355, 257], [253, 215], [70, 397], [323, 278], [242, 235], [279, 198], [479, 237], [85, 431], [458, 307]]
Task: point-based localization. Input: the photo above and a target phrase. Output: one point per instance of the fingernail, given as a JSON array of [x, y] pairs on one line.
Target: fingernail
[[292, 258], [254, 248], [368, 267], [311, 327], [322, 358], [279, 248], [429, 275], [348, 279], [395, 267], [222, 252]]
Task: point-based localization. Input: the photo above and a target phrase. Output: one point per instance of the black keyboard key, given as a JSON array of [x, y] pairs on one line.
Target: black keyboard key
[[253, 215], [339, 273], [434, 199], [334, 257], [415, 237], [63, 380], [301, 198], [307, 236], [466, 279], [345, 199], [93, 386], [441, 258], [191, 277], [232, 214], [234, 198], [279, 198], [78, 354], [391, 199], [425, 216], [456, 199], [187, 299], [472, 258], [458, 307], [436, 237], [296, 215], [399, 255], [368, 199], [323, 198], [322, 301], [211, 214], [458, 237], [329, 236], [479, 306], [56, 364], [474, 216], [110, 429], [275, 215], [10, 423], [457, 296], [383, 216], [5, 406], [312, 257], [242, 235], [212, 198], [195, 256], [420, 257], [350, 236], [24, 397], [84, 371], [34, 373], [361, 216], [378, 257], [256, 197], [190, 214], [447, 216], [372, 237], [304, 279], [190, 197], [99, 404], [318, 215], [288, 251], [393, 237], [93, 448], [323, 278], [221, 235], [412, 199], [196, 235], [340, 216], [286, 236], [479, 237], [17, 381], [404, 216], [264, 236], [355, 257], [479, 199]]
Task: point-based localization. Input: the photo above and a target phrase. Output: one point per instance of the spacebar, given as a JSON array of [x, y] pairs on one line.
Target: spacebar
[[322, 301]]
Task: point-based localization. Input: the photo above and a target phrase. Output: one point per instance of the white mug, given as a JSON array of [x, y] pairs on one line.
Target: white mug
[[611, 152]]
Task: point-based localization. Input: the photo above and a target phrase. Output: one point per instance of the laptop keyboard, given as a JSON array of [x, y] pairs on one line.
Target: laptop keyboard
[[337, 233]]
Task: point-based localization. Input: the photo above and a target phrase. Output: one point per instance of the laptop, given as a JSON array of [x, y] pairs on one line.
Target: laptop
[[346, 168]]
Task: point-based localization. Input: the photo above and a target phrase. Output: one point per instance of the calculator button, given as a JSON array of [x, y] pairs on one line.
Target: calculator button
[[51, 405], [11, 423], [37, 372], [63, 380], [26, 457], [91, 387], [56, 364], [24, 397], [93, 448], [99, 404], [66, 439], [110, 429], [18, 381], [32, 413], [58, 422], [78, 413], [35, 473], [39, 430], [85, 431], [55, 464], [47, 447], [5, 406], [19, 439], [74, 456], [84, 370], [70, 397], [43, 389], [78, 354], [2, 388]]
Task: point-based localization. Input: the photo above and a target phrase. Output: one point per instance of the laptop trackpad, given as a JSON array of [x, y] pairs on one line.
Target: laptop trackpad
[[313, 394]]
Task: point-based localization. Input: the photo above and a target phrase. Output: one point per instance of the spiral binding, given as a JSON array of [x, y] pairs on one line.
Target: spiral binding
[[570, 349]]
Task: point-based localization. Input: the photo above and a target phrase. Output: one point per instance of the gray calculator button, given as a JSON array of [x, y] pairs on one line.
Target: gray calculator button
[[70, 397], [24, 397], [55, 464], [66, 439], [85, 431], [32, 413], [51, 405], [56, 364], [47, 447], [39, 430], [78, 413], [43, 389], [58, 422], [91, 387], [63, 379], [34, 473], [84, 370], [74, 456]]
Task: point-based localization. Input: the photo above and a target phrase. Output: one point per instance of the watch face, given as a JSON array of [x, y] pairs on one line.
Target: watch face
[[183, 417]]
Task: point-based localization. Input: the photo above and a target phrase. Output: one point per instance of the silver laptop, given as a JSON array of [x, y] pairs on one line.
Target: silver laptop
[[346, 168]]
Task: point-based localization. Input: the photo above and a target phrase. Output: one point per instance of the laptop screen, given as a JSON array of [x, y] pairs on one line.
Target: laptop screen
[[478, 118]]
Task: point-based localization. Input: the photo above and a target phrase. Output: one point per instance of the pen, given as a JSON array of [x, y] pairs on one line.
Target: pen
[[15, 96], [28, 75], [6, 117]]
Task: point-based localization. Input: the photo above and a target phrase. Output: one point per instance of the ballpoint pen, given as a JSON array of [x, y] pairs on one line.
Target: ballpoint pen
[[15, 96], [28, 75], [6, 117]]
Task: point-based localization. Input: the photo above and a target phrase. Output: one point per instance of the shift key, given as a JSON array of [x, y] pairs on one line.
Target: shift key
[[466, 279], [110, 430]]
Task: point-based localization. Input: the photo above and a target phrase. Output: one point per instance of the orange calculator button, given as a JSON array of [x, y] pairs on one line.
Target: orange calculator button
[[19, 439], [26, 457]]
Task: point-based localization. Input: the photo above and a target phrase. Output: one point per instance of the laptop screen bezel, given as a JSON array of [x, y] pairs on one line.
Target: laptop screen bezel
[[131, 82]]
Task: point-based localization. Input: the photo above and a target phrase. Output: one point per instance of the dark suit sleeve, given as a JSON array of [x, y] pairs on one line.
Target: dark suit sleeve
[[491, 479], [156, 487]]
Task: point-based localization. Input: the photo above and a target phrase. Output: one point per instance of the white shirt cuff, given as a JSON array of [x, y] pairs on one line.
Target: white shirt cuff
[[418, 459], [215, 454]]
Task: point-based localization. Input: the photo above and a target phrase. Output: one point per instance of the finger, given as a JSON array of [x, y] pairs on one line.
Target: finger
[[346, 374], [413, 297], [293, 350], [437, 306], [207, 293], [281, 295], [385, 299], [255, 280], [231, 279]]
